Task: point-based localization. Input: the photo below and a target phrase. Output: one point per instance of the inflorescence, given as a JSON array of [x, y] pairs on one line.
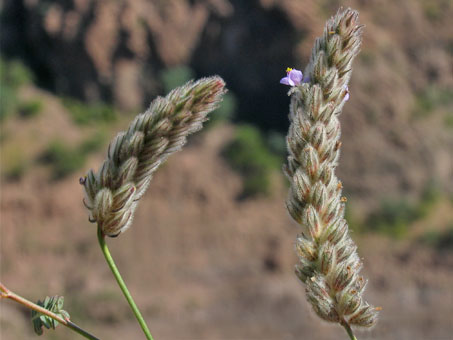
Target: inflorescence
[[328, 265]]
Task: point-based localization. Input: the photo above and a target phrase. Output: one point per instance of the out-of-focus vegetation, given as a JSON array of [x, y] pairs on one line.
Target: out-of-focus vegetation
[[94, 143], [15, 164], [62, 158], [85, 114], [276, 141], [30, 108], [448, 120], [354, 224], [441, 240], [248, 154], [434, 10], [65, 159], [13, 75], [175, 76], [225, 112], [432, 98], [395, 216]]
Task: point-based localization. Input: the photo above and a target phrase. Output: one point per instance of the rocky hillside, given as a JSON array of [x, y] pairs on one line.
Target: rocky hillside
[[201, 264], [397, 126]]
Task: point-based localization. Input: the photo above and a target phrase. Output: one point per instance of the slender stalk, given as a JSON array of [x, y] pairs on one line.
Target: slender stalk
[[7, 294], [122, 284], [349, 330]]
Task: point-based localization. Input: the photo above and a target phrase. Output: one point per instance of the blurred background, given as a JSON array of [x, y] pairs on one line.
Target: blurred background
[[210, 254]]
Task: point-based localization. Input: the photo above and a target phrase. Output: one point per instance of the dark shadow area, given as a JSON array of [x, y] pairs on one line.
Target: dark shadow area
[[251, 51]]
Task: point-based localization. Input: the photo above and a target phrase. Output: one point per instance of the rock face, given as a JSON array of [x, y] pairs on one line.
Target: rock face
[[115, 50], [106, 50], [203, 265]]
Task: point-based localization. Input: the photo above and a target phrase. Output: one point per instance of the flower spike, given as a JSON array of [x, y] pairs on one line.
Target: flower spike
[[328, 262], [112, 194]]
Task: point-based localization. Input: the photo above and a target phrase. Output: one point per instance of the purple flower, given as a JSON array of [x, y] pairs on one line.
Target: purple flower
[[293, 77], [346, 96]]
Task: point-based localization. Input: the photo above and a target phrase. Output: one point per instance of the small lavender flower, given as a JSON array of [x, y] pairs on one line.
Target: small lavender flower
[[293, 77], [328, 262]]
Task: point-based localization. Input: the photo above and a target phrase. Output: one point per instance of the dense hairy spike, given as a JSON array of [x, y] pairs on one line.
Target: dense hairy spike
[[133, 156], [329, 264]]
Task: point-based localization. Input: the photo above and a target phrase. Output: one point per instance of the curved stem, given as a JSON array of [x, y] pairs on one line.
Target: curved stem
[[349, 330], [119, 279], [6, 293]]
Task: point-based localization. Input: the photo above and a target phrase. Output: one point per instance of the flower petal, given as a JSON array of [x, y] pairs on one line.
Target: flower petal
[[346, 96], [284, 81], [296, 76]]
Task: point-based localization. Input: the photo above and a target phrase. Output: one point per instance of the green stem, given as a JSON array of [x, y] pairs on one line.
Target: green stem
[[348, 330], [6, 293], [119, 279]]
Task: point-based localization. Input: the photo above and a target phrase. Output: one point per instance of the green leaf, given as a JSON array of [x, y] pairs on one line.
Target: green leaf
[[53, 304]]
